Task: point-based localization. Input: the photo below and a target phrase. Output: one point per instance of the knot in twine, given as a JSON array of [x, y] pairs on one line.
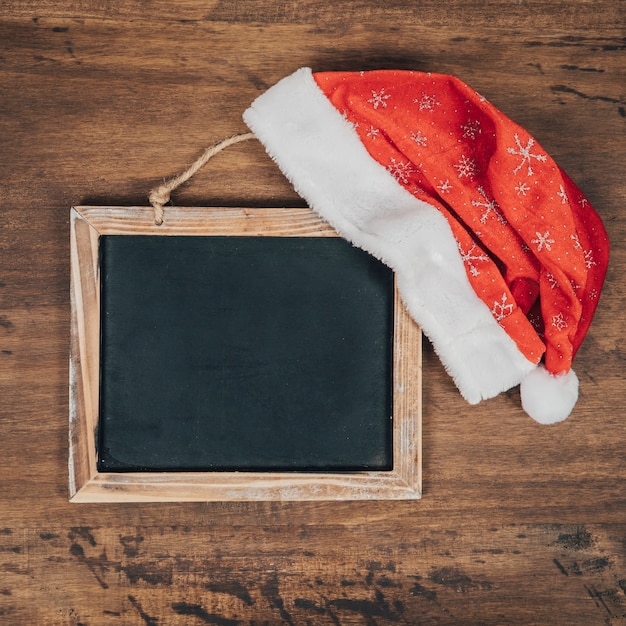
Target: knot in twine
[[160, 196]]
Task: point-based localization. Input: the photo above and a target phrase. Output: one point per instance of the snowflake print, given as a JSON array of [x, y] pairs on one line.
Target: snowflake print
[[379, 98], [490, 206], [469, 256], [444, 186], [593, 294], [466, 167], [501, 309], [553, 282], [373, 133], [576, 241], [427, 103], [563, 195], [419, 139], [574, 285], [589, 262], [543, 241], [471, 129], [400, 170], [521, 189], [526, 154], [559, 322], [583, 202]]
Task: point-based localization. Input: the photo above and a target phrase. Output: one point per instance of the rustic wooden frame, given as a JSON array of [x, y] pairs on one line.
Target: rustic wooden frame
[[86, 484]]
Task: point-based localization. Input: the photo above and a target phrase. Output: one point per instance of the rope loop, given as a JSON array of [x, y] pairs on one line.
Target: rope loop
[[160, 196]]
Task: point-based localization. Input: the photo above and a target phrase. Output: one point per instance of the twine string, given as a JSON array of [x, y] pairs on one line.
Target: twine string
[[160, 196]]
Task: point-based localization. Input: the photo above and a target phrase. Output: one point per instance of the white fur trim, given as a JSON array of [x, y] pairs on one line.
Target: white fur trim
[[549, 398], [323, 157]]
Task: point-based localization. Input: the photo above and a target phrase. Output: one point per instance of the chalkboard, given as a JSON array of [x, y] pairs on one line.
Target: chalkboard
[[237, 354], [244, 353]]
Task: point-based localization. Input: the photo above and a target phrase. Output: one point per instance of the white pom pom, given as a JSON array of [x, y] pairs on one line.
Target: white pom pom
[[549, 398]]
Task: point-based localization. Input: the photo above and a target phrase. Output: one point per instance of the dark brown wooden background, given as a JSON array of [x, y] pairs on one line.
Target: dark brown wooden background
[[519, 524]]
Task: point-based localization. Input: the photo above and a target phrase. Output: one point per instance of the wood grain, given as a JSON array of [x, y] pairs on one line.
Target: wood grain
[[518, 524], [185, 575]]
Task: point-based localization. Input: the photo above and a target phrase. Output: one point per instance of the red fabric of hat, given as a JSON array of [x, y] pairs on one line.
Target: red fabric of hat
[[499, 256]]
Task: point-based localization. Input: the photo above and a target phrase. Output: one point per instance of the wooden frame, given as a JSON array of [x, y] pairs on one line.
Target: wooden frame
[[86, 484]]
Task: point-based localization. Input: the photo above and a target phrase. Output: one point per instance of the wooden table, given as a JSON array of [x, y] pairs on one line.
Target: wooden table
[[519, 523]]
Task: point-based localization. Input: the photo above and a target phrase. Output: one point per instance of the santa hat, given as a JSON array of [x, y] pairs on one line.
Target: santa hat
[[498, 255]]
